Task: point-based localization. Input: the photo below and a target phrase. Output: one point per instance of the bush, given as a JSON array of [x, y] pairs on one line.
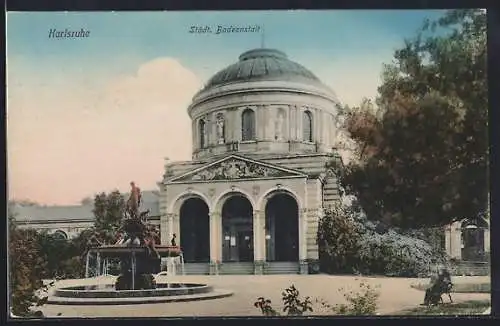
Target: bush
[[359, 303], [363, 302], [293, 305], [26, 271], [338, 240], [349, 242]]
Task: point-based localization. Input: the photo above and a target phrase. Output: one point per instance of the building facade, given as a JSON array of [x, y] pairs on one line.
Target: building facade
[[251, 198]]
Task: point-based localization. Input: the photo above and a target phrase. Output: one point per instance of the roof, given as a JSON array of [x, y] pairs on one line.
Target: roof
[[262, 64], [150, 200]]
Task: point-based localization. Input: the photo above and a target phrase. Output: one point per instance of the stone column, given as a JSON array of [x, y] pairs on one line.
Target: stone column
[[164, 230], [215, 242], [194, 133], [173, 227], [303, 241], [259, 241], [454, 240], [300, 119], [292, 131], [260, 122], [317, 126], [487, 240], [237, 124], [447, 240]]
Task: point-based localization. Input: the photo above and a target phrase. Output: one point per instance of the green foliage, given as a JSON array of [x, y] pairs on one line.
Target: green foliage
[[470, 307], [108, 211], [293, 304], [265, 307], [338, 240], [57, 252], [362, 302], [423, 152], [350, 243], [26, 270]]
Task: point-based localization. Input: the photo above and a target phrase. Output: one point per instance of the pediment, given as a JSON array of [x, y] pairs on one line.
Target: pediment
[[236, 168]]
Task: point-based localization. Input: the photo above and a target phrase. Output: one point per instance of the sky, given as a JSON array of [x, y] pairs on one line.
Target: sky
[[92, 114]]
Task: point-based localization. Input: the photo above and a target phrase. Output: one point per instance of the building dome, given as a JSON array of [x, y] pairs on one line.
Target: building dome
[[262, 64], [264, 104]]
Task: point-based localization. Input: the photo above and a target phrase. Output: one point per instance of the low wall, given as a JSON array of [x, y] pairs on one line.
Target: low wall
[[469, 268]]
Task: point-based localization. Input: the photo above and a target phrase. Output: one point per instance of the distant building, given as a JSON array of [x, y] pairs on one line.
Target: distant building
[[69, 221]]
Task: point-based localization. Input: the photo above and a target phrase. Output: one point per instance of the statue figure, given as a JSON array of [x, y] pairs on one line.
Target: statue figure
[[134, 201], [172, 242], [220, 129]]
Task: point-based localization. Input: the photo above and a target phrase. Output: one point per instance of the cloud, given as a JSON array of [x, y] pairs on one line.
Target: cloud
[[70, 138]]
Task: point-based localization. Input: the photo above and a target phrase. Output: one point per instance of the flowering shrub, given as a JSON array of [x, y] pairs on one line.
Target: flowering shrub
[[369, 248], [363, 302], [293, 305]]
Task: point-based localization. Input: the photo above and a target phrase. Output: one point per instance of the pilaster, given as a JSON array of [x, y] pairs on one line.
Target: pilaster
[[303, 234], [164, 230], [260, 122], [486, 240], [215, 240], [258, 236]]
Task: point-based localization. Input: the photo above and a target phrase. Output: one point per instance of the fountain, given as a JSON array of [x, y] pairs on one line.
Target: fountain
[[139, 254]]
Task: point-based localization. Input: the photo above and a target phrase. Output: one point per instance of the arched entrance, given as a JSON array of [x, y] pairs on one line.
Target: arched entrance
[[473, 232], [237, 229], [282, 228], [195, 230]]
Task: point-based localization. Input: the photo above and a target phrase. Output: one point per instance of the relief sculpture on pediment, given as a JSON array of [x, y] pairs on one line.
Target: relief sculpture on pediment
[[235, 169]]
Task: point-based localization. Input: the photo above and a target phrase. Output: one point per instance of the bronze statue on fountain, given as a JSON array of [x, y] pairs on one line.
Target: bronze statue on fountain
[[137, 268], [137, 247]]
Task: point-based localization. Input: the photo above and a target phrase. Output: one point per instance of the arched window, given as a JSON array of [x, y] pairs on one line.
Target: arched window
[[61, 235], [248, 125], [201, 132], [307, 126]]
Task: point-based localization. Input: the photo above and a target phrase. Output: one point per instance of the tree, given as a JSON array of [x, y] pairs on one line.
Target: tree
[[87, 201], [56, 252], [423, 154], [24, 202], [108, 211], [26, 270]]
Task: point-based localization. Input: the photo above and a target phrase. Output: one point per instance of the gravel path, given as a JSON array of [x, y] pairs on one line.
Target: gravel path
[[395, 295]]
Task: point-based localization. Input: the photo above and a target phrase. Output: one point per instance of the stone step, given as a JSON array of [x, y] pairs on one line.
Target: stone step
[[281, 268], [196, 269], [243, 268]]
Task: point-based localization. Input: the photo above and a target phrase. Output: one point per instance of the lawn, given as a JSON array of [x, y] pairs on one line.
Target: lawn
[[461, 287], [471, 307]]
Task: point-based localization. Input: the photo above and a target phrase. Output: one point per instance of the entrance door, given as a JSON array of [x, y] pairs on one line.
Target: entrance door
[[245, 246], [237, 226]]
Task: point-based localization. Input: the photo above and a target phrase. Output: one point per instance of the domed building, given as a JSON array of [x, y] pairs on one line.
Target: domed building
[[251, 198]]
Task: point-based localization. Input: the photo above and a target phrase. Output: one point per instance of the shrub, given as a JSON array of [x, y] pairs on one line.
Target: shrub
[[338, 240], [349, 242], [26, 272], [363, 302], [293, 305]]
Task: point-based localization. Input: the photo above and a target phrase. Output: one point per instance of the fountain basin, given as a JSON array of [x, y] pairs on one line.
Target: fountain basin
[[108, 291], [105, 294]]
